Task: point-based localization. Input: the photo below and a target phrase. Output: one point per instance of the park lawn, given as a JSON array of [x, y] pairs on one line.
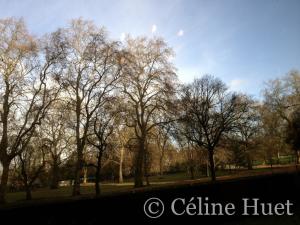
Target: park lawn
[[66, 192], [155, 181]]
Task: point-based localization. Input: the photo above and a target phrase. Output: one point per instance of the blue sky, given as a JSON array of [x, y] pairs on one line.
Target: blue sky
[[243, 42]]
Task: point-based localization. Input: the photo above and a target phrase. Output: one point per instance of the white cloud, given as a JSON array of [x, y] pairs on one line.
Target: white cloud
[[154, 28], [180, 33], [236, 84]]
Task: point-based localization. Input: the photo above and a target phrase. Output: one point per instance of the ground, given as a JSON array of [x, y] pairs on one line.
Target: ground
[[122, 202], [127, 186]]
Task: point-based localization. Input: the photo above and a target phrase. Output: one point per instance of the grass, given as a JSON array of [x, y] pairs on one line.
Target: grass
[[155, 181], [47, 193]]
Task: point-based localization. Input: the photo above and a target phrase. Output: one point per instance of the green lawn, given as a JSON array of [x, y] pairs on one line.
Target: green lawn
[[155, 181], [47, 193]]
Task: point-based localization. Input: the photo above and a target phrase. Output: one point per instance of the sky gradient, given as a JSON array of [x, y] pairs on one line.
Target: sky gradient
[[243, 42]]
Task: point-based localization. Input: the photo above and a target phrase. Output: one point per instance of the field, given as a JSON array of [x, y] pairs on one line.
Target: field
[[58, 207], [108, 188]]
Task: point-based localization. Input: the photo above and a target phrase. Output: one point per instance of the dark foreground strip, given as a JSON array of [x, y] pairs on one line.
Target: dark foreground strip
[[129, 207]]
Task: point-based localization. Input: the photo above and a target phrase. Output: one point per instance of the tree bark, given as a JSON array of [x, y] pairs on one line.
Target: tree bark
[[85, 174], [147, 166], [207, 168], [4, 180], [78, 168], [192, 171], [212, 164], [79, 144], [297, 157], [28, 192], [138, 175], [161, 165], [97, 175], [55, 175], [249, 162], [121, 165]]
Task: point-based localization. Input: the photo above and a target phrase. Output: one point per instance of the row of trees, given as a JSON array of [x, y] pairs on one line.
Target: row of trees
[[74, 99]]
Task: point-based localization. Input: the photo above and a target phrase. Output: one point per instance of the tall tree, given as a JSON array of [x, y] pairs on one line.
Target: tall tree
[[31, 162], [247, 128], [148, 85], [100, 137], [94, 65], [162, 138], [210, 111], [282, 96], [57, 134], [26, 70], [293, 133]]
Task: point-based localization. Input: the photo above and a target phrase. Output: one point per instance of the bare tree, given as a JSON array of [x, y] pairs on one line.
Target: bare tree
[[94, 65], [209, 111], [162, 138], [248, 127], [57, 135], [26, 69], [31, 162], [293, 132], [100, 138], [282, 96], [148, 87], [181, 133], [123, 135], [123, 138]]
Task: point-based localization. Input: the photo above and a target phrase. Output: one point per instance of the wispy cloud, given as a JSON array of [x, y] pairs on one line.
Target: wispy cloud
[[154, 28], [180, 33], [237, 84]]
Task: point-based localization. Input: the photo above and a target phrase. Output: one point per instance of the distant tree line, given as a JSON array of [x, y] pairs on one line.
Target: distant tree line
[[77, 105]]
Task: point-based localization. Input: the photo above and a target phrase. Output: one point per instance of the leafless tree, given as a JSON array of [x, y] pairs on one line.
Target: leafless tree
[[26, 70], [148, 86], [210, 111], [94, 65], [100, 138], [282, 96], [161, 136], [57, 135], [31, 162], [247, 128]]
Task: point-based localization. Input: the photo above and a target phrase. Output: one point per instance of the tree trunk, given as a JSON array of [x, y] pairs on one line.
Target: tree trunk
[[278, 157], [4, 180], [79, 144], [97, 181], [212, 165], [207, 168], [147, 180], [28, 192], [55, 175], [192, 172], [147, 166], [85, 171], [297, 158], [78, 168], [97, 175], [121, 165], [161, 165], [249, 162], [138, 175]]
